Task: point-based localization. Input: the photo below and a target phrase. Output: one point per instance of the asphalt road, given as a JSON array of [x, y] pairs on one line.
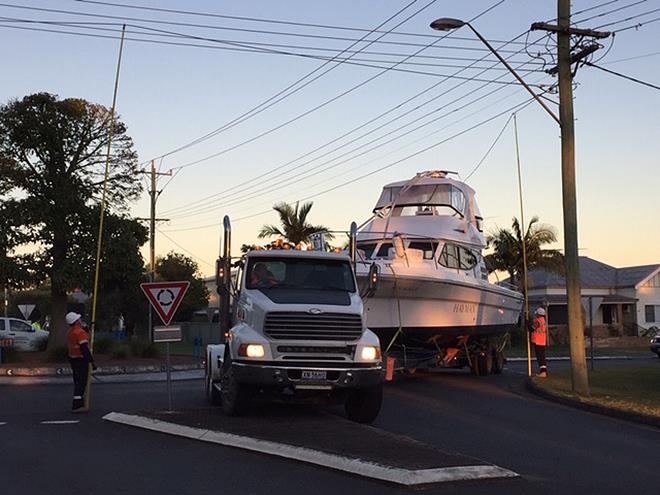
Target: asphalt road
[[555, 449]]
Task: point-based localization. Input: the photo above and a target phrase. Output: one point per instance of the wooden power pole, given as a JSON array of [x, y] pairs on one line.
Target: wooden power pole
[[564, 31]]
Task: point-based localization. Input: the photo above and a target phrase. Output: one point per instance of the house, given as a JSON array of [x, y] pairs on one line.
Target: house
[[623, 301]]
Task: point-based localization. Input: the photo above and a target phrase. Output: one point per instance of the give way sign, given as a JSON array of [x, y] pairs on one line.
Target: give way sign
[[165, 297]]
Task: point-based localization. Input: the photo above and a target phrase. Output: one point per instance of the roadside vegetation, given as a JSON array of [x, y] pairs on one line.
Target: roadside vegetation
[[632, 388]]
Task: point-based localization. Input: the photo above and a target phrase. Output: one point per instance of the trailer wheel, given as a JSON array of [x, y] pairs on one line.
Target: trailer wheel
[[235, 397], [498, 362], [363, 405], [485, 360]]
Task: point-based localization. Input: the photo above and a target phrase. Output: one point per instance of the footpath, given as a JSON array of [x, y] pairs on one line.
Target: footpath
[[33, 369]]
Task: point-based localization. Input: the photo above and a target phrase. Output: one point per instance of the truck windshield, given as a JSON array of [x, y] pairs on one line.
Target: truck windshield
[[299, 273]]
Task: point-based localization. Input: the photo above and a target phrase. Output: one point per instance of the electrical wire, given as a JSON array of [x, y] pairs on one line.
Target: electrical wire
[[279, 169], [184, 249], [631, 18], [637, 26], [652, 54], [613, 11], [638, 81]]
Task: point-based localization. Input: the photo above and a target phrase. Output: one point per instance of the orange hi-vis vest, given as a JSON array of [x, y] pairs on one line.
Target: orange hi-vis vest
[[540, 333], [74, 338]]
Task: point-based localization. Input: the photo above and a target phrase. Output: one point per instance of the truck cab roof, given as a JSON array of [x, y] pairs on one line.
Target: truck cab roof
[[292, 253]]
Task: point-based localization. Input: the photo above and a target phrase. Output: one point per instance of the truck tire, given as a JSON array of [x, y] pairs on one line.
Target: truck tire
[[485, 360], [212, 394], [363, 405], [234, 397]]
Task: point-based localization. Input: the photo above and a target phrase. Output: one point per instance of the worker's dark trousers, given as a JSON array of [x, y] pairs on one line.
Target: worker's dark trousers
[[79, 367], [539, 350]]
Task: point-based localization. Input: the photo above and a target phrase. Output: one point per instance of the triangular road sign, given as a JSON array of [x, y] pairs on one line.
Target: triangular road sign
[[26, 310], [165, 297]]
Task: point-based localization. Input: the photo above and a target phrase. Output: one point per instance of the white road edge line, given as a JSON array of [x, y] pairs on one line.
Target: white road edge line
[[3, 423], [355, 466], [61, 422]]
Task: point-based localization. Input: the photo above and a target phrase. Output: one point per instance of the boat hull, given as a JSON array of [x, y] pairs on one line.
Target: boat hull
[[437, 311]]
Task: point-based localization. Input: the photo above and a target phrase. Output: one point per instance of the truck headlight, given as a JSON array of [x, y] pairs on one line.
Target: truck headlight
[[370, 353], [251, 350]]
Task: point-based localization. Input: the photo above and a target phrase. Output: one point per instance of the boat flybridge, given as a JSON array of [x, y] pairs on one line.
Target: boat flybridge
[[434, 304]]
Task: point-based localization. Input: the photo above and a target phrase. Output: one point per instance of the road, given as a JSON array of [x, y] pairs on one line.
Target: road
[[554, 448]]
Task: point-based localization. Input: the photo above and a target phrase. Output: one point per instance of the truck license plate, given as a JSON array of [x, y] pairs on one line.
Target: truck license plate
[[314, 375]]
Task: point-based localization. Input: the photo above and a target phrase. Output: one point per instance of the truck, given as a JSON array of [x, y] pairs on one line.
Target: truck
[[293, 328]]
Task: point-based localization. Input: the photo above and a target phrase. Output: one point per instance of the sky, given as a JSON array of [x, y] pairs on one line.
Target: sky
[[295, 124]]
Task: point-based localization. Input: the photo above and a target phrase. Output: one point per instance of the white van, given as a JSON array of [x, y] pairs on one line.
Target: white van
[[21, 332]]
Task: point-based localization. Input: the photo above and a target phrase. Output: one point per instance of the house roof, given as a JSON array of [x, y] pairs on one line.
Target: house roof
[[594, 274]]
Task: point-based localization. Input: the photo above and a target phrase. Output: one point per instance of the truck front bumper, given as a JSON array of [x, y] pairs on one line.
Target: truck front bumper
[[282, 375]]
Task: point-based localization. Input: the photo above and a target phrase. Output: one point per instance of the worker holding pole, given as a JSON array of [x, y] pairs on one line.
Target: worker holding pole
[[539, 334]]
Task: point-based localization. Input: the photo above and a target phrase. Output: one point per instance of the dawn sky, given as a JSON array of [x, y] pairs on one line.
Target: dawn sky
[[355, 126]]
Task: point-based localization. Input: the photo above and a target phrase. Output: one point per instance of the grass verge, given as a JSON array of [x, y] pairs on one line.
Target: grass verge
[[631, 388]]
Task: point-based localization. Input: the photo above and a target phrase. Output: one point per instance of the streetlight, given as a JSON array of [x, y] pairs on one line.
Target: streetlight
[[447, 24], [565, 121]]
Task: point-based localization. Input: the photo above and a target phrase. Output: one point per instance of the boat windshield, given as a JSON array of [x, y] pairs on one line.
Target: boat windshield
[[279, 273], [422, 200]]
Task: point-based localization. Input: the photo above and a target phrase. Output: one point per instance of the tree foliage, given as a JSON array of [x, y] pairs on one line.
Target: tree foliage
[[178, 267], [52, 162], [507, 247], [294, 225]]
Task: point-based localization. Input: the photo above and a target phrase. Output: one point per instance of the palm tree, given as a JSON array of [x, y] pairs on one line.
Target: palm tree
[[507, 255], [295, 228]]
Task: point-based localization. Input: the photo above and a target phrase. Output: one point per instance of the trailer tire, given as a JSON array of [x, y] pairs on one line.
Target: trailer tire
[[485, 360], [235, 397], [363, 405], [498, 362]]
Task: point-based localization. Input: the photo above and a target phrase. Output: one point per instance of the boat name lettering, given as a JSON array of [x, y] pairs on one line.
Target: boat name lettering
[[464, 308]]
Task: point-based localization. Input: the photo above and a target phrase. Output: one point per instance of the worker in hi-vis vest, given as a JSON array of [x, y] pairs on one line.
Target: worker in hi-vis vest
[[539, 331], [80, 358]]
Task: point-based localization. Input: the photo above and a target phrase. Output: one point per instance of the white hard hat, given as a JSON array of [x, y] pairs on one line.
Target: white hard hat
[[540, 311], [72, 317]]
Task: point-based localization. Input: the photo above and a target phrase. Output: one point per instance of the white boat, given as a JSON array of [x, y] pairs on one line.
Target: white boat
[[426, 236]]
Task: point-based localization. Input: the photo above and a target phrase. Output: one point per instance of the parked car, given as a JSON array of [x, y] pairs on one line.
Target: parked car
[[21, 332], [655, 345]]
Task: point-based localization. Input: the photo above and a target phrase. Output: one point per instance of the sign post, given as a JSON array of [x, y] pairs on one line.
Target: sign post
[[165, 298]]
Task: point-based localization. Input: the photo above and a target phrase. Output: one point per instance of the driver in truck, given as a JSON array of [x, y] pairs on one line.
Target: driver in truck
[[261, 277]]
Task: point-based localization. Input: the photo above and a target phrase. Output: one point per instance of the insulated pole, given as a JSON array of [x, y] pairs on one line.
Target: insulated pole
[[152, 239], [575, 329], [524, 248]]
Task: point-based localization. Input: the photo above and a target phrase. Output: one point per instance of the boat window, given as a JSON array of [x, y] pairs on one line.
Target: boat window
[[458, 257], [367, 247], [427, 247], [383, 250], [480, 224], [422, 200]]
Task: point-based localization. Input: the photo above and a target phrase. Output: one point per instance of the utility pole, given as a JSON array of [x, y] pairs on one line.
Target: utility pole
[[564, 31], [153, 193]]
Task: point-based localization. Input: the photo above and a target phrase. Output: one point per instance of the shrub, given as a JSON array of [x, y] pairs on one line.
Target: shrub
[[58, 354], [104, 345], [120, 353], [143, 348]]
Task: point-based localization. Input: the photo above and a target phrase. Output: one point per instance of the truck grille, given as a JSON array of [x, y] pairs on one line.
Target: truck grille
[[305, 326]]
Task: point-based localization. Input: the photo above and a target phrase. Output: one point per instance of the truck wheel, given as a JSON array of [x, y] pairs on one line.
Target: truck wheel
[[363, 405], [235, 397], [498, 362], [212, 394]]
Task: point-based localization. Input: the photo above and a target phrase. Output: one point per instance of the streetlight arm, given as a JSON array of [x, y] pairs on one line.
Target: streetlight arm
[[515, 74]]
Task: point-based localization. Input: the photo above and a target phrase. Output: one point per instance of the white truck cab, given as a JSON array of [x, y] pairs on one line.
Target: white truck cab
[[296, 329]]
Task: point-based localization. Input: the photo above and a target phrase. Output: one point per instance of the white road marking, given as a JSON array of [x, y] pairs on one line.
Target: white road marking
[[350, 465], [3, 423], [61, 422]]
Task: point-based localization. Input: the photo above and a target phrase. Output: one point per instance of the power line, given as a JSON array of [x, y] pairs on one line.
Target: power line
[[184, 249], [652, 54], [631, 18], [619, 9], [278, 169], [638, 81], [637, 26]]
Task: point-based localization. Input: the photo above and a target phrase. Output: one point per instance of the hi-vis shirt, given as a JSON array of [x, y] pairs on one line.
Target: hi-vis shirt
[[74, 338], [540, 333]]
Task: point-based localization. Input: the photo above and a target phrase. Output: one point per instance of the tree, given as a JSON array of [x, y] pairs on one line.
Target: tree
[[295, 228], [52, 157], [507, 246], [175, 267]]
